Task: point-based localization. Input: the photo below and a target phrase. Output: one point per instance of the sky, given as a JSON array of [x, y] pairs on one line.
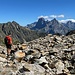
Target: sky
[[28, 11]]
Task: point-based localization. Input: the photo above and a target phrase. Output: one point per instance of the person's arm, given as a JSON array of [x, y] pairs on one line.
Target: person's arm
[[11, 41]]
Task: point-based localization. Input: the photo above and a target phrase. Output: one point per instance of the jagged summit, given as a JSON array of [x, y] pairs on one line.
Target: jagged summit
[[19, 33], [36, 29], [41, 19], [54, 21], [40, 24], [53, 26]]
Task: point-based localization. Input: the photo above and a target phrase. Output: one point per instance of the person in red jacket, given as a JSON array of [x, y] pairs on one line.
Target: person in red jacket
[[8, 43]]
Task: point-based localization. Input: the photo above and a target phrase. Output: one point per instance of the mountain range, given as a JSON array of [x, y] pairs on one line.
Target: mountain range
[[19, 33], [35, 30], [52, 27]]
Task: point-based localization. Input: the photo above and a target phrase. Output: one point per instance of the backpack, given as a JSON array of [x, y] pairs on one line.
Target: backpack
[[6, 40]]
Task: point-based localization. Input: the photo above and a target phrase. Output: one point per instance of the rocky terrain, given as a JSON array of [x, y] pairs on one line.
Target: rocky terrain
[[50, 55]]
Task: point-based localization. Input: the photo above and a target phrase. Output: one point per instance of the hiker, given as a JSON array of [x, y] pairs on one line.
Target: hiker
[[8, 43]]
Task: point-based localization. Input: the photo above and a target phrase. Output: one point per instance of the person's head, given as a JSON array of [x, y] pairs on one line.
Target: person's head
[[9, 34]]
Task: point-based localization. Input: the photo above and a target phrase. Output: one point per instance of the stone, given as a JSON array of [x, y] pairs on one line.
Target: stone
[[41, 60], [59, 66], [3, 59], [19, 55]]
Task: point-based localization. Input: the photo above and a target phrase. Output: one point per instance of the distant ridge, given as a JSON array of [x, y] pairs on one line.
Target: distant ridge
[[52, 27], [35, 30], [19, 33]]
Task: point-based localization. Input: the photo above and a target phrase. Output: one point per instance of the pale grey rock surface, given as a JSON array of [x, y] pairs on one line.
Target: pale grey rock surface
[[51, 55]]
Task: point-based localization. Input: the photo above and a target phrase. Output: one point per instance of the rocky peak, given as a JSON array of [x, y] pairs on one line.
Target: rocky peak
[[54, 21], [19, 33], [41, 20], [15, 23], [40, 24], [70, 25], [69, 22]]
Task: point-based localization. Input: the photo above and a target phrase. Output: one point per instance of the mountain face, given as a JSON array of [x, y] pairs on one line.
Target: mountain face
[[53, 26], [40, 24], [70, 25], [19, 33], [71, 32], [34, 30]]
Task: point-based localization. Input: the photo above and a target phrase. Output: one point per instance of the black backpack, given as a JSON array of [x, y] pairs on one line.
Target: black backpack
[[5, 40]]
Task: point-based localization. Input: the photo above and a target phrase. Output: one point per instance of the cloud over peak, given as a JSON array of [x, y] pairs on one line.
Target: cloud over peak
[[64, 21], [51, 16], [45, 17], [57, 17]]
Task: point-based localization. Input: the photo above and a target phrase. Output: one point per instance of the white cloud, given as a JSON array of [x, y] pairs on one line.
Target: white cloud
[[43, 17], [61, 16], [53, 16], [73, 20], [57, 16], [64, 21]]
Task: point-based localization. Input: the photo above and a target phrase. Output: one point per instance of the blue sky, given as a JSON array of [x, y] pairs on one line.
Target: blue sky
[[28, 11]]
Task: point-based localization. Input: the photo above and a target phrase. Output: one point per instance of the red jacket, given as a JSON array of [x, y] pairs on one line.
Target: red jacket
[[9, 39]]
